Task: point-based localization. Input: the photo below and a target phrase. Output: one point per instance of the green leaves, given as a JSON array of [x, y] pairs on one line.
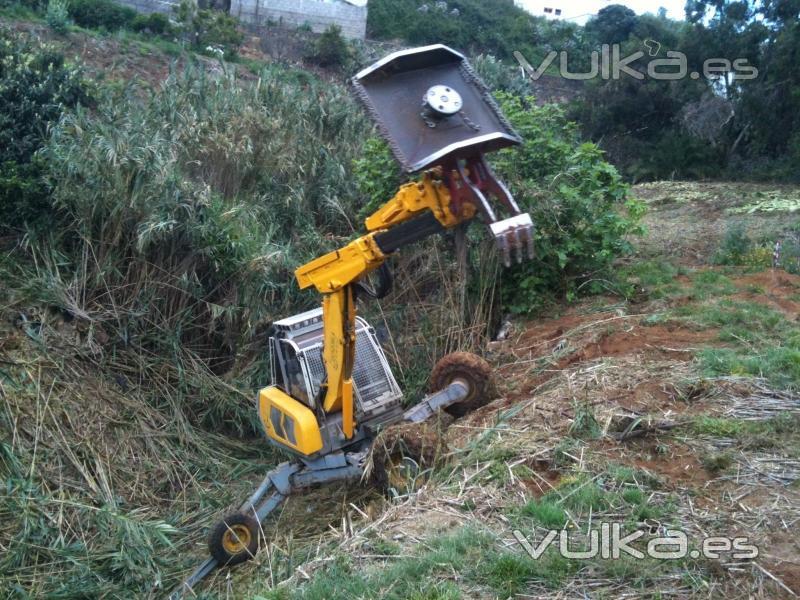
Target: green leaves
[[377, 175], [35, 87], [578, 202]]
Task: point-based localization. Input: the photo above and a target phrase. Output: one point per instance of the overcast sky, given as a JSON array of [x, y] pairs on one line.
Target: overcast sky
[[572, 9]]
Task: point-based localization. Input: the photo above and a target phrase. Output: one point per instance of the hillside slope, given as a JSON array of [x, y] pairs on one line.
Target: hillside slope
[[128, 366], [674, 408]]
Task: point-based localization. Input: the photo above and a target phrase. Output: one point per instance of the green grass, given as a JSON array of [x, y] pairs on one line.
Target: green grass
[[707, 284], [626, 474], [780, 366], [580, 495], [407, 577], [651, 273], [507, 573], [782, 424], [655, 278], [565, 452], [717, 427], [717, 462], [761, 342], [781, 432], [546, 512], [468, 553], [584, 426], [633, 496]]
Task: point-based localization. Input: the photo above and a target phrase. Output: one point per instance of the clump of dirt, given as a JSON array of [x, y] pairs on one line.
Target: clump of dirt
[[778, 289], [546, 477], [672, 341], [423, 444], [546, 349]]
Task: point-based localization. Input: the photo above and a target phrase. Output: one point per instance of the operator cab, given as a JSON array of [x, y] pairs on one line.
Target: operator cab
[[297, 367]]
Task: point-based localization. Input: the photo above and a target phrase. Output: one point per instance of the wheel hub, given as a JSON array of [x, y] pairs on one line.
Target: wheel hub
[[236, 539]]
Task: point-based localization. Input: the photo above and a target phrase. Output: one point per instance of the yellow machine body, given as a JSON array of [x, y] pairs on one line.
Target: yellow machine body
[[289, 422], [334, 273]]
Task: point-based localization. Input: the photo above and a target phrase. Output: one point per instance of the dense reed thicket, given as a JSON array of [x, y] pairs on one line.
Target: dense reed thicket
[[139, 304]]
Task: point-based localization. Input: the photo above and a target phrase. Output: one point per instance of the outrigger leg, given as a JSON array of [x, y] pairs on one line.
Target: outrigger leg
[[236, 538]]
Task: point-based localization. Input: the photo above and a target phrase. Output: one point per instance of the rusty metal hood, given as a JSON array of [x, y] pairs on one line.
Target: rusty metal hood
[[431, 107]]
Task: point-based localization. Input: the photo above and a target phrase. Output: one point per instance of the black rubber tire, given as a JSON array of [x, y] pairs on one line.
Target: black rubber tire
[[468, 367], [224, 527]]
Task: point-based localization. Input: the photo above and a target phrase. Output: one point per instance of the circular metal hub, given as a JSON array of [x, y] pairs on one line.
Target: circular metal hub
[[236, 539], [443, 99]]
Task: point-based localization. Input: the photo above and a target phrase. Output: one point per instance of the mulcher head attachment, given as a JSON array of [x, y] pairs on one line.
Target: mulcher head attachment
[[430, 106], [434, 111]]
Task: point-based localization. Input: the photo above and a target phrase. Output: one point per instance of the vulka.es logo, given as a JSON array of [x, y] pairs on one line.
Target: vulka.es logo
[[609, 542], [610, 64]]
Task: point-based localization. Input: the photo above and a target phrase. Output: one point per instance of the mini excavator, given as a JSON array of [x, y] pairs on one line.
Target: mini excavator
[[332, 387]]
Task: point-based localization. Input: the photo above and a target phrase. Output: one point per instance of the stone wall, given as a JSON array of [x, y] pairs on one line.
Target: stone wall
[[318, 14], [150, 6]]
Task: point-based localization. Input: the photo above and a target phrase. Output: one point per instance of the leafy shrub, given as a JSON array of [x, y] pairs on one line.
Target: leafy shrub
[[498, 28], [578, 202], [35, 87], [735, 248], [501, 76], [209, 30], [154, 23], [57, 15], [331, 49], [377, 175], [34, 6], [101, 14], [789, 259]]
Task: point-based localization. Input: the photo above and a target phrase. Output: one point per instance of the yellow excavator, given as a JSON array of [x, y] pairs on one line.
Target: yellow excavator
[[332, 387]]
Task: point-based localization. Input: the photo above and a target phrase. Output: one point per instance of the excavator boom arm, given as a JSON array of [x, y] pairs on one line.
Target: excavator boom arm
[[417, 210], [440, 200]]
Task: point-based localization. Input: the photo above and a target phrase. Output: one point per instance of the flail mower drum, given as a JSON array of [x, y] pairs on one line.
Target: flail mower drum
[[434, 110]]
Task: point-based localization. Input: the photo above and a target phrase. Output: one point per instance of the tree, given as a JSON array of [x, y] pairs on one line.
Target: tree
[[613, 24], [767, 35]]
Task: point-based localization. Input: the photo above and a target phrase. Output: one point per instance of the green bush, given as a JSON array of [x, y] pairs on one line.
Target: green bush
[[578, 202], [35, 87], [24, 6], [101, 14], [209, 31], [497, 27], [330, 48], [378, 175], [734, 246], [154, 23], [57, 15]]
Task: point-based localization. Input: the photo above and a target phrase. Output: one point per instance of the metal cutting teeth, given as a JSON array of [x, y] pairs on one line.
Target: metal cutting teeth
[[514, 234]]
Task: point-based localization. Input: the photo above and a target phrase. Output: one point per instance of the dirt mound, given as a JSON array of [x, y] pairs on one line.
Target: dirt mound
[[402, 451], [777, 290]]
